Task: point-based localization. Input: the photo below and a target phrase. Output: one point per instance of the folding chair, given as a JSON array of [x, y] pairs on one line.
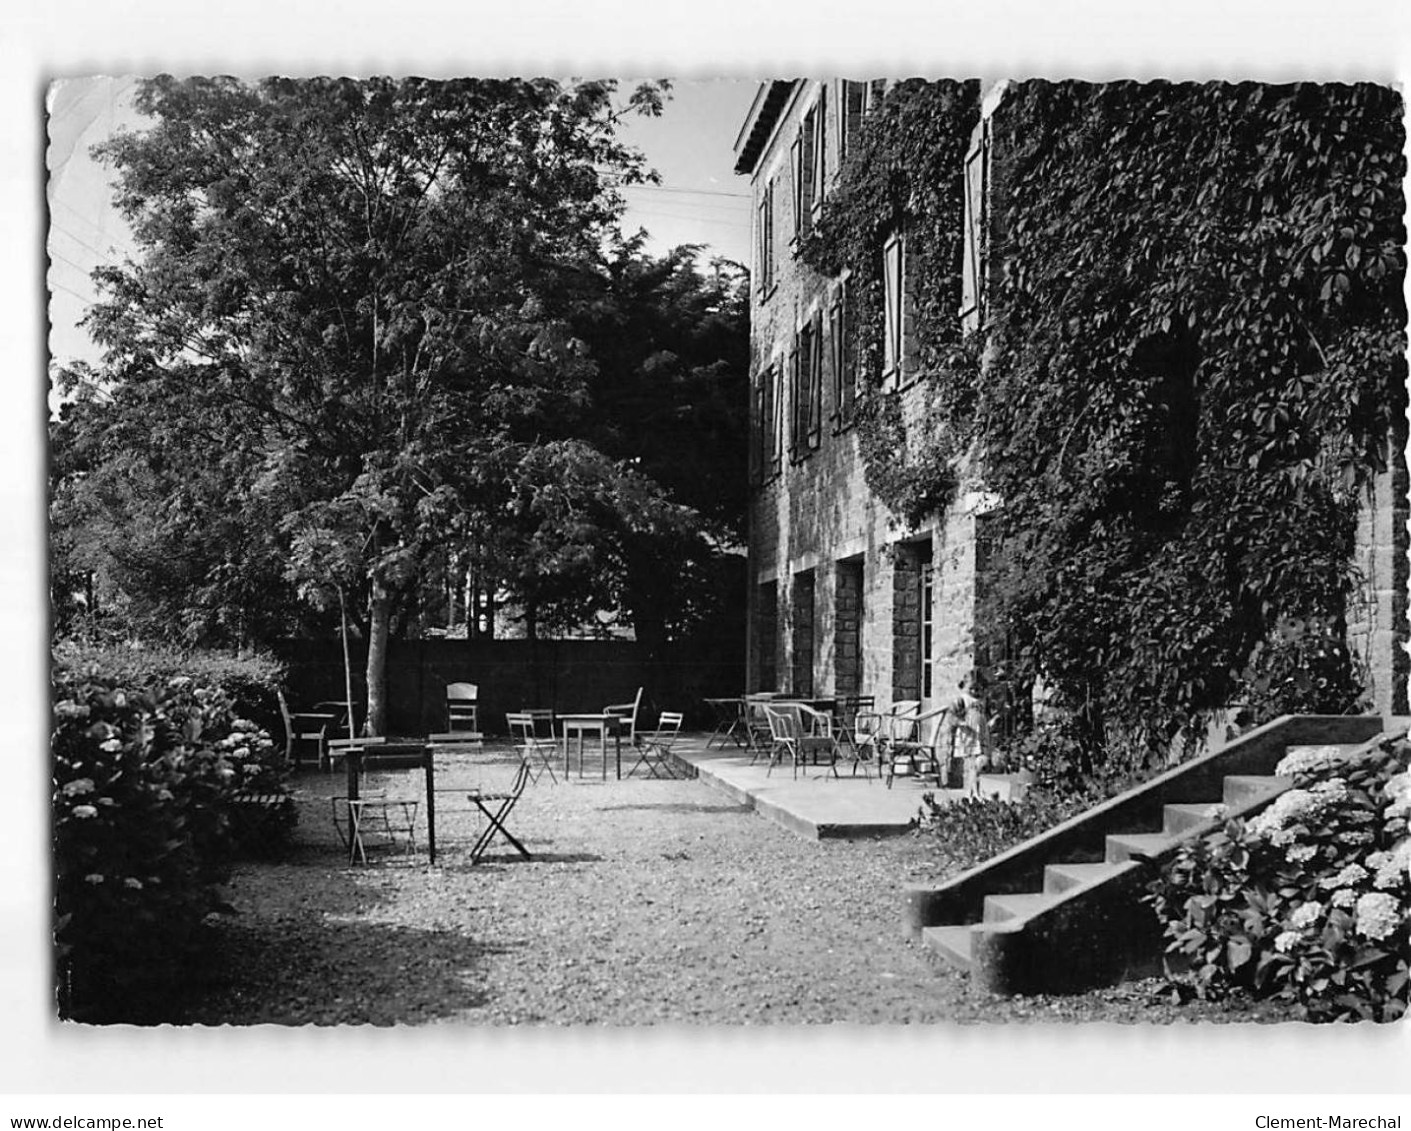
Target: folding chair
[[854, 726], [462, 706], [626, 716], [655, 750], [528, 744], [370, 811], [503, 804], [303, 726]]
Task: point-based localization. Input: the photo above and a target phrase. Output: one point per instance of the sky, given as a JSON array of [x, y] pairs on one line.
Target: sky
[[699, 201]]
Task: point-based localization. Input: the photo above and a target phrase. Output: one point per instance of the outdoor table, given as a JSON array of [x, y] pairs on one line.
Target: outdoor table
[[414, 749], [580, 727], [729, 722]]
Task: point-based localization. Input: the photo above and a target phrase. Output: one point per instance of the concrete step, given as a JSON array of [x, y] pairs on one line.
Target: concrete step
[[1124, 846], [951, 943], [1243, 788], [1016, 905], [1178, 818], [1061, 877]]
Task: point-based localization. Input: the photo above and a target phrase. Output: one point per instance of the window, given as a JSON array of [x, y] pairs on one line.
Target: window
[[764, 451], [854, 99], [973, 267], [765, 234], [894, 300], [806, 389], [801, 672], [809, 166], [844, 359]]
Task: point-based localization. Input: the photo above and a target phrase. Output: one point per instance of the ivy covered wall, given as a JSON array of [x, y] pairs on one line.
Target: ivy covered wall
[[1189, 374]]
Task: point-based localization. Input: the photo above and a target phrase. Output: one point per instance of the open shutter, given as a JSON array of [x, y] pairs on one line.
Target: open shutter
[[820, 148], [815, 381], [892, 276], [796, 159], [973, 263]]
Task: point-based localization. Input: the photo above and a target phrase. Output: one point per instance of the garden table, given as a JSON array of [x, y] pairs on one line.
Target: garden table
[[587, 725], [730, 722]]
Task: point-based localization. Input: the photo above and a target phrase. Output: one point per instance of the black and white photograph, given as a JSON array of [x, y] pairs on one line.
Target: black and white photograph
[[881, 562]]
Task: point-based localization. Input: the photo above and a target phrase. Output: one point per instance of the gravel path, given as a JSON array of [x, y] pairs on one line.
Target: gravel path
[[646, 902]]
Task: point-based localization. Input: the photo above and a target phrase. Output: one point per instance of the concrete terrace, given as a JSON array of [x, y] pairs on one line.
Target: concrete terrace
[[815, 805]]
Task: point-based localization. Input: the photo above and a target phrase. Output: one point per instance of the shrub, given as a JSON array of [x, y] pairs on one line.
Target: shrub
[[251, 681], [142, 783], [1307, 902], [973, 829]]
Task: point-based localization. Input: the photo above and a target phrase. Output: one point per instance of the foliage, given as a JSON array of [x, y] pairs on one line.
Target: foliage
[[142, 780], [1192, 362], [251, 681], [901, 175], [973, 829], [351, 357], [1310, 901]]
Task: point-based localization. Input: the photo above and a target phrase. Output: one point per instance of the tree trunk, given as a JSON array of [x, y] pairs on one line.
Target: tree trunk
[[379, 630]]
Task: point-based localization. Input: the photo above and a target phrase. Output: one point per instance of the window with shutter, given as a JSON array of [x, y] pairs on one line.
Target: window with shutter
[[818, 165], [852, 105], [766, 239], [844, 359], [798, 416]]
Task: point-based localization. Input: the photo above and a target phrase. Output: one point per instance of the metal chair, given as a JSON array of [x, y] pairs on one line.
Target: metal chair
[[847, 710], [655, 749], [303, 726], [926, 751], [462, 706], [797, 731], [626, 716], [528, 744], [496, 808], [366, 811]]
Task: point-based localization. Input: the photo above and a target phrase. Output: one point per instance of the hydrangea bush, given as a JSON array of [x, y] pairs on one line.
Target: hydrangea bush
[[142, 780], [1309, 900]]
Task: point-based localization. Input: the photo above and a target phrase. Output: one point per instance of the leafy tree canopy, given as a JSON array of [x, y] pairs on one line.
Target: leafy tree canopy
[[356, 342]]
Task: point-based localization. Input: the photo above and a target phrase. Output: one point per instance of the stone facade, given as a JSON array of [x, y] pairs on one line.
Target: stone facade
[[836, 600]]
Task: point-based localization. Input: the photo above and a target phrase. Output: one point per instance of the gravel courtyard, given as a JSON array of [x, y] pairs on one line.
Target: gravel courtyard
[[646, 902]]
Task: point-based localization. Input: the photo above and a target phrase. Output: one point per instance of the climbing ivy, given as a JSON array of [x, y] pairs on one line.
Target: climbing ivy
[[903, 175], [1193, 359]]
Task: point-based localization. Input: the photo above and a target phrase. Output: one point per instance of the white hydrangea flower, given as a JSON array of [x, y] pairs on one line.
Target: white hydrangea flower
[[1392, 868], [1286, 941], [1350, 874], [1378, 915], [1312, 760], [1300, 853], [1306, 914], [1345, 898], [1288, 808]]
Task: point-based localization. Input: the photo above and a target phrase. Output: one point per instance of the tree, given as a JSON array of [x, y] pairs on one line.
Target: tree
[[352, 321]]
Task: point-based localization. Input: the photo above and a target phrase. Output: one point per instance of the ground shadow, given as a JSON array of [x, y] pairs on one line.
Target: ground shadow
[[678, 807], [308, 971]]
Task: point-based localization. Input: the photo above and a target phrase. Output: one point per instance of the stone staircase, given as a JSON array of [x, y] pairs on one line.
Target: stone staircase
[[1062, 912]]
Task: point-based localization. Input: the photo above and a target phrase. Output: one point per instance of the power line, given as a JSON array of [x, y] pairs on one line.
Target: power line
[[686, 192]]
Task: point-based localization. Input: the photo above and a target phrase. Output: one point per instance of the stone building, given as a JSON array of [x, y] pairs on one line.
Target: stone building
[[843, 599]]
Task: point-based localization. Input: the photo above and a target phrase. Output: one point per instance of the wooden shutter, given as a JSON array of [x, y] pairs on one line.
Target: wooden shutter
[[820, 148], [973, 263], [815, 380], [893, 253], [796, 160]]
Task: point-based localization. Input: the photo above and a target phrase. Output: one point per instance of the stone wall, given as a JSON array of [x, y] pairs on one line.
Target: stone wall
[[1377, 616], [834, 594]]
